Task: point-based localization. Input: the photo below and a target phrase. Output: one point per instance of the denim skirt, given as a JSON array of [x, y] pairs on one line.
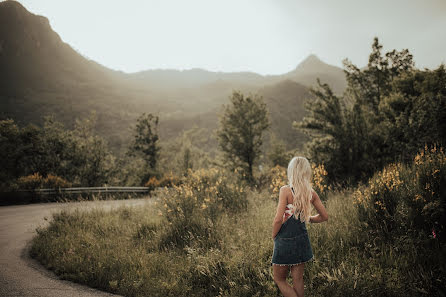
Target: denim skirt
[[292, 245]]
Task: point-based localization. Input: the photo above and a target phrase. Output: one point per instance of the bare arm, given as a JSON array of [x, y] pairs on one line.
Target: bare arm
[[277, 223], [322, 215]]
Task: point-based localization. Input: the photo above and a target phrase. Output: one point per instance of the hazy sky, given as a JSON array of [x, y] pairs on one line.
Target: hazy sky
[[264, 36]]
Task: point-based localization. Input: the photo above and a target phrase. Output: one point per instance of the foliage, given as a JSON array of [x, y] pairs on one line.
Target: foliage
[[278, 154], [193, 149], [168, 180], [389, 111], [92, 159], [146, 139], [407, 199], [193, 208], [240, 133], [37, 181], [30, 182], [86, 246], [320, 181], [278, 178], [76, 155], [152, 183]]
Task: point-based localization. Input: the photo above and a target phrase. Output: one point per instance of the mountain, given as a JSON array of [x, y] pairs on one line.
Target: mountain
[[40, 75], [312, 68]]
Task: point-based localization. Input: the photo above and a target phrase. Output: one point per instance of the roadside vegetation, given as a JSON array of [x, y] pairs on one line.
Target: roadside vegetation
[[378, 162], [211, 237]]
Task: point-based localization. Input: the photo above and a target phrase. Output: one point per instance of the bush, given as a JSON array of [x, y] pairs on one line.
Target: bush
[[54, 182], [30, 182], [192, 209], [320, 180], [152, 183], [403, 199], [427, 202], [37, 181], [167, 180], [278, 178]]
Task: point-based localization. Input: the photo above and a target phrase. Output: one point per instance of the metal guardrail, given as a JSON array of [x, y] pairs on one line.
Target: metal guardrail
[[93, 190], [53, 195]]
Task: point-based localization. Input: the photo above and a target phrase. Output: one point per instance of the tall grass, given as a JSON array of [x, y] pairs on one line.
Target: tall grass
[[124, 251]]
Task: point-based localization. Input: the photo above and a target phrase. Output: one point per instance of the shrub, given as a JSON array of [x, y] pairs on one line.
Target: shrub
[[167, 180], [320, 180], [192, 209], [30, 182], [54, 182], [37, 181], [403, 199], [152, 183], [427, 202], [377, 203], [278, 177]]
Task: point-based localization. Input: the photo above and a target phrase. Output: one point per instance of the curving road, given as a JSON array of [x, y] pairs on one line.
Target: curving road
[[21, 275]]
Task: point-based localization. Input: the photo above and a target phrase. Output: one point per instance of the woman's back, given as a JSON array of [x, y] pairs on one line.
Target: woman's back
[[292, 246]]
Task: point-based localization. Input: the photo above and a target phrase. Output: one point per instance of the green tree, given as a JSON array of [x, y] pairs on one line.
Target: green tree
[[146, 139], [414, 113], [278, 154], [78, 155], [346, 131], [92, 160], [326, 124], [240, 133]]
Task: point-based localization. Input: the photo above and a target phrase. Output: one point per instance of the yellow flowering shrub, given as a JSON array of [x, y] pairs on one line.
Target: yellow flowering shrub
[[320, 181], [428, 198], [37, 181], [377, 202], [279, 178], [152, 183], [30, 182], [192, 208], [406, 195], [54, 182]]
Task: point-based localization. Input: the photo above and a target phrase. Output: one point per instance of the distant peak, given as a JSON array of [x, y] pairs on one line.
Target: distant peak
[[310, 60], [312, 57]]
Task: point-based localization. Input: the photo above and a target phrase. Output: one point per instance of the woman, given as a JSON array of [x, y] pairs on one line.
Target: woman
[[292, 246]]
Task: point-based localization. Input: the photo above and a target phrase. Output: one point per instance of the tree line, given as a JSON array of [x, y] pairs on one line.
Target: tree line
[[388, 112]]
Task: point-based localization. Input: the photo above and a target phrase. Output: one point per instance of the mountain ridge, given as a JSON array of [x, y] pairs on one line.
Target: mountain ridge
[[43, 75]]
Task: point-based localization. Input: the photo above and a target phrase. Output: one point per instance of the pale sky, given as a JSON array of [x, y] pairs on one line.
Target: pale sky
[[263, 36]]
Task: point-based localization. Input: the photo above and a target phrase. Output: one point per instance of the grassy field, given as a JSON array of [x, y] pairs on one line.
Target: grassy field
[[121, 252]]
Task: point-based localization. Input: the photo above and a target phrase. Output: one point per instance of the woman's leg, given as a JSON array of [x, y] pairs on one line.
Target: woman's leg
[[279, 274], [297, 273]]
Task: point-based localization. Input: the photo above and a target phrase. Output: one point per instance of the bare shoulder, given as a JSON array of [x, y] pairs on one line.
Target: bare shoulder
[[286, 192], [285, 189]]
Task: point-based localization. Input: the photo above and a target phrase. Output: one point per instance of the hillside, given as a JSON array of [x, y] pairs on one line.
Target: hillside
[[40, 75]]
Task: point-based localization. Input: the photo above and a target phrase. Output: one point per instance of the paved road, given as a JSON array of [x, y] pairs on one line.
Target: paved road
[[21, 275]]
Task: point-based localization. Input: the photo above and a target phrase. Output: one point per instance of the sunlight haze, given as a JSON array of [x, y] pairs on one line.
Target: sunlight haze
[[263, 36]]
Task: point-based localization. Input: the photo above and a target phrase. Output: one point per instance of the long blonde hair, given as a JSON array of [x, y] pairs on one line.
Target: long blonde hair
[[299, 178]]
